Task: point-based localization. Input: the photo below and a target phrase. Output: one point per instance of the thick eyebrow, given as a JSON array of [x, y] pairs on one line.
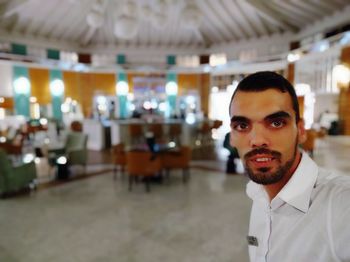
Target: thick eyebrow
[[239, 119], [279, 114]]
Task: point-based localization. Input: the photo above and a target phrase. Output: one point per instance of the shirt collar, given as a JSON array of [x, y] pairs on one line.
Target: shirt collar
[[297, 192]]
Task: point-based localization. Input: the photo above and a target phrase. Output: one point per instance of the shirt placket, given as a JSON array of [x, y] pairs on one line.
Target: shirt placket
[[265, 245]]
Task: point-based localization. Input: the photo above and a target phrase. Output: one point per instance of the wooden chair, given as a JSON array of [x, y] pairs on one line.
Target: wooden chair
[[136, 133], [177, 160], [203, 137], [175, 131], [76, 126], [157, 130], [142, 164], [14, 146], [309, 144], [119, 159]]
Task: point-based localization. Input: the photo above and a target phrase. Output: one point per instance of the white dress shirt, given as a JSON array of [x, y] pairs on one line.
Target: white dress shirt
[[308, 220]]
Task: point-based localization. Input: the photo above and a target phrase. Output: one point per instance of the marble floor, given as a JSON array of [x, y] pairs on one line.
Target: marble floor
[[97, 219]]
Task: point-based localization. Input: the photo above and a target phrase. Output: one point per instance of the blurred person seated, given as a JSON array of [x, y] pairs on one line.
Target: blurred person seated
[[231, 167]]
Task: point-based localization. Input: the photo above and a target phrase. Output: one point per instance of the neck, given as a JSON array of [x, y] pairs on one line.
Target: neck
[[273, 189]]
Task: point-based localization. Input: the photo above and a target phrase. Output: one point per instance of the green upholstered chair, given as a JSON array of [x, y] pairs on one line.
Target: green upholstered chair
[[14, 178], [75, 149]]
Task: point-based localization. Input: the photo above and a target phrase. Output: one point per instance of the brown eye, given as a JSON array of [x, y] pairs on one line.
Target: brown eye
[[277, 123], [241, 126]]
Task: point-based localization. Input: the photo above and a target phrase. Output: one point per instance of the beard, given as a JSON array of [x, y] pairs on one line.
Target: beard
[[264, 175]]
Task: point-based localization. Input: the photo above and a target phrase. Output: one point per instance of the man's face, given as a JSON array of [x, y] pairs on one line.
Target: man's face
[[265, 133]]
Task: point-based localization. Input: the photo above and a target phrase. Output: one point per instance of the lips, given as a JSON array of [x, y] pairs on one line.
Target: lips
[[262, 160]]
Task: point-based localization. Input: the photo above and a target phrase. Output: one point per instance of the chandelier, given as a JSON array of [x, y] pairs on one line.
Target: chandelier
[[129, 13]]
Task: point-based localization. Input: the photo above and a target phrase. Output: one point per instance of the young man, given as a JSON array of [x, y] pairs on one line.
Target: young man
[[300, 212]]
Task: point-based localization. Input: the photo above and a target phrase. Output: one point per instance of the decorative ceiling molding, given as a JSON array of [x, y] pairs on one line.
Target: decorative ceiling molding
[[338, 18], [212, 26]]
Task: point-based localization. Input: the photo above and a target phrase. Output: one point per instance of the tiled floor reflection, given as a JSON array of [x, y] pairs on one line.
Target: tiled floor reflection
[[97, 219]]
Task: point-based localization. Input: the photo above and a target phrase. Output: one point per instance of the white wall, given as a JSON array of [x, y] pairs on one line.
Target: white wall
[[6, 80], [325, 102]]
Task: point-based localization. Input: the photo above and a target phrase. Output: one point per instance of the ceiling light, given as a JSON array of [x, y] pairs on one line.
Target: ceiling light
[[293, 57], [342, 74], [159, 20], [191, 16], [57, 87], [95, 19], [22, 85], [126, 27]]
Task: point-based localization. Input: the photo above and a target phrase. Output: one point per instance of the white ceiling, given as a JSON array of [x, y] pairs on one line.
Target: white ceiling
[[223, 21]]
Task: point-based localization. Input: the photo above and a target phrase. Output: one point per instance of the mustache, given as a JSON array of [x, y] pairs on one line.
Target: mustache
[[262, 150]]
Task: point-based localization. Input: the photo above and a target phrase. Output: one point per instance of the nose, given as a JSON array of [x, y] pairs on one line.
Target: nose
[[258, 137]]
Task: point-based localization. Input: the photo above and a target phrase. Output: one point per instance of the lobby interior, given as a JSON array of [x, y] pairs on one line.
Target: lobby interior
[[87, 83]]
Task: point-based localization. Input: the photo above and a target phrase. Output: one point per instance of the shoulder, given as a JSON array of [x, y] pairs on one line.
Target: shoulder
[[338, 213], [333, 190], [333, 181]]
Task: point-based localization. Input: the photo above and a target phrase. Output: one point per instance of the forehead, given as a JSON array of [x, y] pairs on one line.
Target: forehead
[[257, 105]]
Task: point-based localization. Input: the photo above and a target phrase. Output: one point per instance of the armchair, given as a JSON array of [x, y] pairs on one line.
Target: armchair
[[75, 149], [14, 178], [177, 160], [119, 158], [142, 163]]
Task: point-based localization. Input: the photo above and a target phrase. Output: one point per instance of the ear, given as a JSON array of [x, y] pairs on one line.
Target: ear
[[301, 131]]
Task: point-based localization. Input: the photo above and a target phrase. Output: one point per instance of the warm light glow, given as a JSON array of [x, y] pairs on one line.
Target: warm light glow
[[217, 59], [57, 87], [102, 107], [171, 144], [171, 88], [122, 88], [101, 103], [65, 108], [62, 160], [28, 158], [43, 121], [2, 113], [36, 111], [302, 89], [2, 100], [190, 118], [309, 100], [101, 100], [293, 57], [22, 85], [32, 99], [147, 105], [162, 106], [190, 100], [342, 74], [214, 89]]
